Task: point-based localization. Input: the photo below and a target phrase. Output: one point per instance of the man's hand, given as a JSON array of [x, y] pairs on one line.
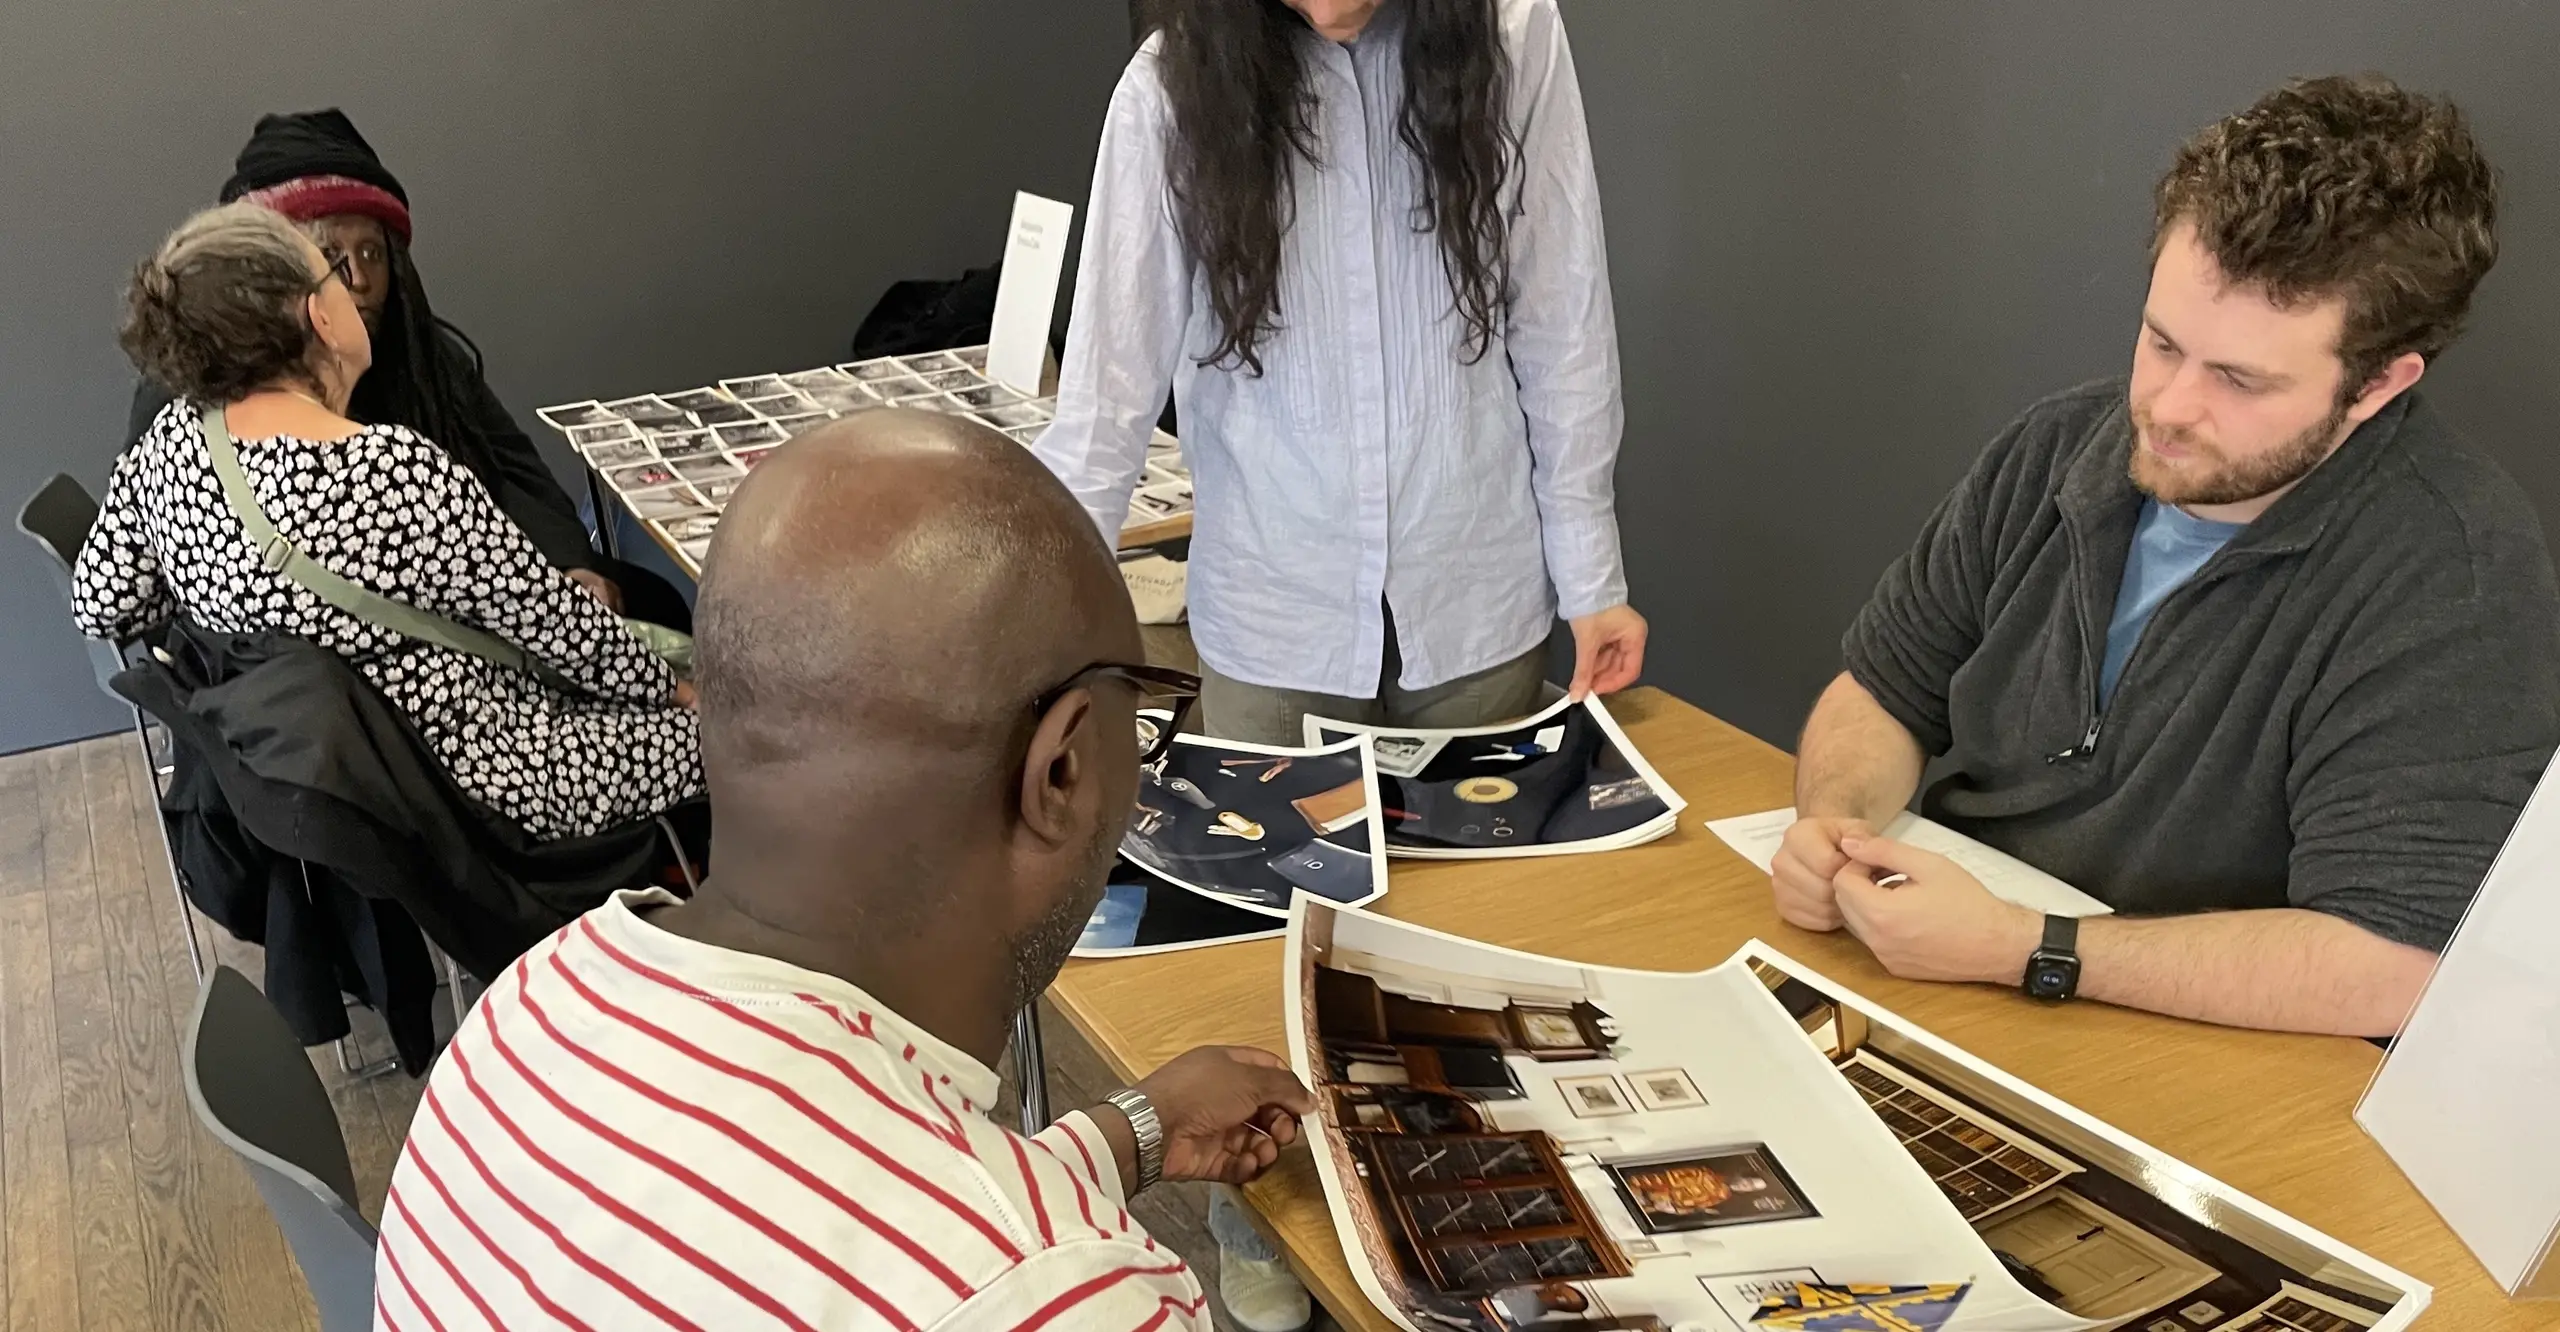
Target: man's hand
[[600, 587], [1608, 651], [1807, 860], [1226, 1112], [1938, 923]]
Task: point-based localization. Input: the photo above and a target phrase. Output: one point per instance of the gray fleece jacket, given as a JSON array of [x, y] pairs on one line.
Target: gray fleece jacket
[[2344, 710]]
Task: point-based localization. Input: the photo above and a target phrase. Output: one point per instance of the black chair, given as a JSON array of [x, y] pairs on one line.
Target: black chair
[[58, 518], [254, 1088]]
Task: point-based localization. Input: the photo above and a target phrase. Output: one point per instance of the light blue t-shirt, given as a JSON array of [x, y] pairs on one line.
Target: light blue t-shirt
[[2169, 545]]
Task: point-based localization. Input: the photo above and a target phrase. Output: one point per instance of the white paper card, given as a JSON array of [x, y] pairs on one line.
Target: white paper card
[[1035, 254], [1755, 837], [2463, 1104]]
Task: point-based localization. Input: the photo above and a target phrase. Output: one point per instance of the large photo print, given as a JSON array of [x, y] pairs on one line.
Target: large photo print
[[1254, 825], [1507, 1140], [1564, 781]]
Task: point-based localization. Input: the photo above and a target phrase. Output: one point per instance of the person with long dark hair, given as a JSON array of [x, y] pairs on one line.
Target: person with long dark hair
[[316, 170], [1359, 242]]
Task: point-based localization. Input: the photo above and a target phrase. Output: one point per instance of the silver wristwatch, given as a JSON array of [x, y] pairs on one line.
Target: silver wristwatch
[[1149, 1131]]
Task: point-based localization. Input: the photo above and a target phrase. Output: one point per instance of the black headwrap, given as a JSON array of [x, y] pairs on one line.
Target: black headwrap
[[426, 374], [291, 145]]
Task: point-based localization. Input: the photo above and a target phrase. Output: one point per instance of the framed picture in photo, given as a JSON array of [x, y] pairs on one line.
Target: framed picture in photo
[[1666, 1089], [1595, 1097], [1546, 1031], [1728, 1186]]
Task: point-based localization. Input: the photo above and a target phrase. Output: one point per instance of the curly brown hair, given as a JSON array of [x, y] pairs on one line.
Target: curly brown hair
[[2345, 187], [219, 309]]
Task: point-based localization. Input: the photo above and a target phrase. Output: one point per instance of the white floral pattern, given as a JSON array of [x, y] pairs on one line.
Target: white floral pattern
[[393, 512]]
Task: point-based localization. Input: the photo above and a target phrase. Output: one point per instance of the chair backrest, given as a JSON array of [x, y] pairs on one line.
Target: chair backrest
[[58, 517], [254, 1088]]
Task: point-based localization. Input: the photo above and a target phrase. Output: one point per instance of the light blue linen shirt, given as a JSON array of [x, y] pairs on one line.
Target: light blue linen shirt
[[1371, 466]]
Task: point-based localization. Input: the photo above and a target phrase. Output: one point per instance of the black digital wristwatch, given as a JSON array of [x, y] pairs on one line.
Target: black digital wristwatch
[[2053, 970]]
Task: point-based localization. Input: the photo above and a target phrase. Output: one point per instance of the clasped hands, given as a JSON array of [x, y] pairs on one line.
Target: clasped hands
[[1922, 915]]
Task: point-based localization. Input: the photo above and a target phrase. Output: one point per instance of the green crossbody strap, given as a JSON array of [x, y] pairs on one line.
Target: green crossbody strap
[[279, 555]]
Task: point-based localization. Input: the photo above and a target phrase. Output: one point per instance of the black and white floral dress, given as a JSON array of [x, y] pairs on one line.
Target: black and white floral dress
[[393, 512]]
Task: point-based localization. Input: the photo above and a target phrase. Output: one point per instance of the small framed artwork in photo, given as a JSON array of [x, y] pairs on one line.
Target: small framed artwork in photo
[[1666, 1089], [1545, 1032], [1731, 1186], [1596, 1097]]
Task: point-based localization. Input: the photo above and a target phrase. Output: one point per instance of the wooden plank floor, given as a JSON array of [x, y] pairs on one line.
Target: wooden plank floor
[[120, 1211]]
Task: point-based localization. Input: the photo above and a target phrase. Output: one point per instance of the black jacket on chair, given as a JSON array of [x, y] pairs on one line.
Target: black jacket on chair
[[286, 753]]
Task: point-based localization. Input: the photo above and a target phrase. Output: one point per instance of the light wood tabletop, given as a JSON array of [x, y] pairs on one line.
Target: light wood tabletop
[[2267, 1114]]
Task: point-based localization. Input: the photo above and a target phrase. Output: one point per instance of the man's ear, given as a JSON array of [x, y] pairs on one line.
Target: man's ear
[[1056, 770], [2396, 378]]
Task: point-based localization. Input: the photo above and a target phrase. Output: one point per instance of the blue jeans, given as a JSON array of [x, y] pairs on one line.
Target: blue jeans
[[1233, 1227]]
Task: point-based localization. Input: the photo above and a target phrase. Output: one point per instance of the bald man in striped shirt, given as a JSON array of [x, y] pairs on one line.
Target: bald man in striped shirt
[[767, 1107]]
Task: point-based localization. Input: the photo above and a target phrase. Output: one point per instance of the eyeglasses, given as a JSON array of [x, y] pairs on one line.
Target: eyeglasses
[[339, 269], [1180, 690]]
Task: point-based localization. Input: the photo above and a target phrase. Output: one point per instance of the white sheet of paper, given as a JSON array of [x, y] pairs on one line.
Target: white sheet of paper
[[1755, 838], [2463, 1103], [1035, 253]]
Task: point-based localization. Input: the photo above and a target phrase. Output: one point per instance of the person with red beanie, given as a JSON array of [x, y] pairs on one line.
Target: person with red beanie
[[317, 170]]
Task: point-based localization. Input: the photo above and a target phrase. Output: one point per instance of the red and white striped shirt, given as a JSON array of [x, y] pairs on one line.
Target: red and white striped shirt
[[635, 1130]]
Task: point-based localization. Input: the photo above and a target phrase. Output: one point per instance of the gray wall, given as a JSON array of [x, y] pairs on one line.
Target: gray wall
[[1851, 238], [609, 198]]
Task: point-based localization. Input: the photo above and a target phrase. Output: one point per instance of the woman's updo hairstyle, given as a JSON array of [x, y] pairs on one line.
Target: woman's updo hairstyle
[[218, 311]]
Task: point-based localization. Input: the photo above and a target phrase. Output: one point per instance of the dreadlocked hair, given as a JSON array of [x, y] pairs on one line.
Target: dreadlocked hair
[[425, 374]]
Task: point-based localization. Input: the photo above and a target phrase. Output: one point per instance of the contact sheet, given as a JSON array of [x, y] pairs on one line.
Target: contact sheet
[[674, 459]]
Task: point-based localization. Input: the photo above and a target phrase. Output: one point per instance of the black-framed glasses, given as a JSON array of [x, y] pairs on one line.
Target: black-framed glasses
[[1175, 691], [339, 268]]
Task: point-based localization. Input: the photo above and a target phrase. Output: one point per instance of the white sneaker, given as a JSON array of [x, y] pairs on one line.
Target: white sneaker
[[1262, 1296]]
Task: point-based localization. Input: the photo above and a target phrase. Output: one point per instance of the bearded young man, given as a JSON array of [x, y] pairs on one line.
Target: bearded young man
[[2247, 646]]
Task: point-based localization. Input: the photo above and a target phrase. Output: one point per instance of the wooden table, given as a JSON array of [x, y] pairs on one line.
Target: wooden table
[[2267, 1114]]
